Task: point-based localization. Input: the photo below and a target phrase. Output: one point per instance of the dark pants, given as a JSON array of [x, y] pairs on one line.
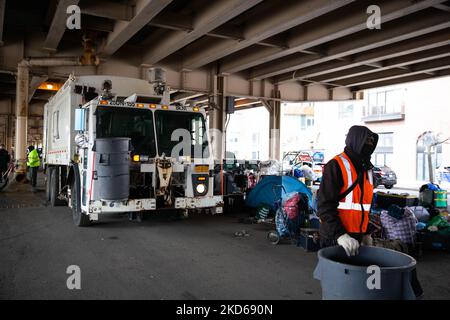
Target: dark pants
[[33, 176]]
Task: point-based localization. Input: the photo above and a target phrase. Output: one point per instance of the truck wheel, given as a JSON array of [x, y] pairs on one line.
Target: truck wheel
[[79, 218], [54, 187], [47, 183]]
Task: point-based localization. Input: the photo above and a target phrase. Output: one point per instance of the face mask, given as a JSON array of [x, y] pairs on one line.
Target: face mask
[[366, 150]]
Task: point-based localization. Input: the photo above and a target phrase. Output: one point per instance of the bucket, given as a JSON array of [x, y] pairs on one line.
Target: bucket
[[440, 199], [342, 277]]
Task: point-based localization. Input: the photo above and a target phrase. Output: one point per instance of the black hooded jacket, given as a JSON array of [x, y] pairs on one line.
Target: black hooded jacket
[[332, 182]]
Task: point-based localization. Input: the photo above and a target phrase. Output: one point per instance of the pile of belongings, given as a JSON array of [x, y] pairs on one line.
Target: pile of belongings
[[435, 234], [287, 218], [272, 189], [269, 168], [399, 224], [374, 227]]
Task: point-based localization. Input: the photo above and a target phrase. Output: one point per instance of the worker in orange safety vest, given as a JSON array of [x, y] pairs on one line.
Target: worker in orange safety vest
[[346, 192]]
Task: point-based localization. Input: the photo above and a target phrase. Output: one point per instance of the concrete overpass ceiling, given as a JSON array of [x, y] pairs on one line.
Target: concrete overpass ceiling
[[321, 45]]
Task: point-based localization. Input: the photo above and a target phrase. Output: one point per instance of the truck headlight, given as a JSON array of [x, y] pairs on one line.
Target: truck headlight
[[201, 188]]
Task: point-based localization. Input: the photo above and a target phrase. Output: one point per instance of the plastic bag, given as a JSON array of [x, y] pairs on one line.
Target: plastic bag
[[421, 213], [290, 204], [270, 168], [439, 222], [281, 223]]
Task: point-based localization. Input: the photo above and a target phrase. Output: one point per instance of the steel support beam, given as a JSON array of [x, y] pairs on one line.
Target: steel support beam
[[398, 62], [180, 96], [21, 118], [35, 82], [58, 26], [274, 126], [107, 9], [272, 22], [212, 17], [328, 70], [2, 19], [173, 21], [423, 67], [405, 79], [123, 30], [371, 39], [217, 116], [247, 102], [329, 29]]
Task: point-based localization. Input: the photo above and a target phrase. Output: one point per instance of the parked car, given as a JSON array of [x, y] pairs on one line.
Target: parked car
[[443, 177], [384, 176]]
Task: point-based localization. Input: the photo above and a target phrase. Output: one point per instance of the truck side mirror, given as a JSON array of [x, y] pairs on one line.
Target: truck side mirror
[[80, 119]]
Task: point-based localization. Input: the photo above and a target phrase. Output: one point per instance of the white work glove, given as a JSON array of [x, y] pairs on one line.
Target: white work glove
[[349, 244], [367, 240]]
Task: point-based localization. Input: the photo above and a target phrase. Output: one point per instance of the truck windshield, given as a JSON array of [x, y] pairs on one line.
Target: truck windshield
[[113, 122], [179, 125]]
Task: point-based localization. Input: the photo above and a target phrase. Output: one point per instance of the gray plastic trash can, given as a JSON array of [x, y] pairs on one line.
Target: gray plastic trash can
[[112, 162], [342, 277]]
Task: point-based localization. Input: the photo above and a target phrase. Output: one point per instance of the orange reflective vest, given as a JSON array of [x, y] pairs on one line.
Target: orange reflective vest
[[355, 207]]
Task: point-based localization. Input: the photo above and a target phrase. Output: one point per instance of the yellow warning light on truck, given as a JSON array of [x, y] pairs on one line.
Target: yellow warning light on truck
[[202, 168]]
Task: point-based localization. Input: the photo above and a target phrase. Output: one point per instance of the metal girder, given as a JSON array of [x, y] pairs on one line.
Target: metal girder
[[442, 7], [58, 26], [365, 41], [97, 23], [423, 67], [332, 70], [2, 18], [406, 78], [212, 17], [123, 30], [173, 21], [329, 29], [398, 62], [256, 105], [35, 82], [279, 19], [183, 22], [108, 9], [180, 96], [247, 102]]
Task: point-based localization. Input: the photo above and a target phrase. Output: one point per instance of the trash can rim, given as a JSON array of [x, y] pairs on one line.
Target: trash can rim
[[407, 267]]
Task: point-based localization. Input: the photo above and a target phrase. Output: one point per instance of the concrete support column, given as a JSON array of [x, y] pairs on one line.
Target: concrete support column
[[9, 127], [274, 126], [21, 118], [217, 117]]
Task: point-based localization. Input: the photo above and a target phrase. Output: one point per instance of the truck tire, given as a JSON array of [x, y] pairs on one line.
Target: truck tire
[[54, 187], [47, 183], [79, 218]]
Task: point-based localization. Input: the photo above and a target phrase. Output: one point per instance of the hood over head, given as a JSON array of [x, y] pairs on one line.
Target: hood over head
[[356, 140]]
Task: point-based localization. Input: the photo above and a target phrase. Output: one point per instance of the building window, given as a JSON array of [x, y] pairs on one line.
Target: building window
[[255, 155], [385, 105], [383, 154], [345, 110], [422, 160], [302, 122]]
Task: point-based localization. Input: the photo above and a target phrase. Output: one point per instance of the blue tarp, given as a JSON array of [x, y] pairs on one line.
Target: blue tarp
[[268, 191]]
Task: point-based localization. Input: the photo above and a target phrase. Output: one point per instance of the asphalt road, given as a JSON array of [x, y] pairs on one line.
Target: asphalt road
[[160, 258]]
